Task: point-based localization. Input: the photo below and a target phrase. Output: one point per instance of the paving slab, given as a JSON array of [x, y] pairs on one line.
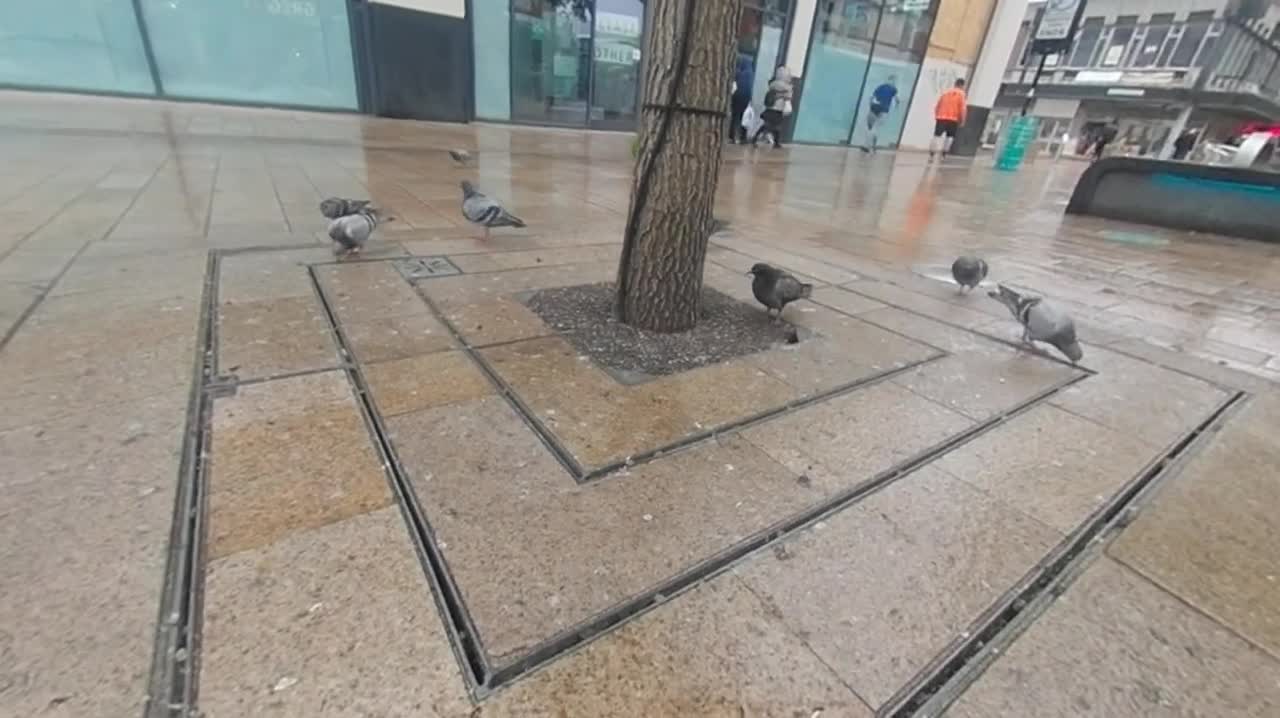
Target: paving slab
[[849, 438], [85, 505], [716, 651], [288, 455], [1051, 464], [879, 589], [354, 586], [1211, 535], [1116, 645], [400, 337], [1154, 404], [421, 382], [269, 337], [363, 291]]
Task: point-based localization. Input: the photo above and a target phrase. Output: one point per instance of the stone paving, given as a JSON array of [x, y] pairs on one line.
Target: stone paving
[[400, 492]]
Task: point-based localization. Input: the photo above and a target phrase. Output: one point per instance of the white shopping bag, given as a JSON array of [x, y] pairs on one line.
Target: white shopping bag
[[748, 118]]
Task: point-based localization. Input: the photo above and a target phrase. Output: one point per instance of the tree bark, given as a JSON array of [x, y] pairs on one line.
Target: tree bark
[[659, 286]]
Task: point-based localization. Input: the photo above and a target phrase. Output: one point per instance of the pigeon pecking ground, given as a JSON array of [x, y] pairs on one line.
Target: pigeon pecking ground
[[728, 329]]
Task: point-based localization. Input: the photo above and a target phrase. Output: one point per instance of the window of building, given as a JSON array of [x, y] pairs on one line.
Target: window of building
[[1119, 41], [1148, 50], [1087, 40], [1193, 33]]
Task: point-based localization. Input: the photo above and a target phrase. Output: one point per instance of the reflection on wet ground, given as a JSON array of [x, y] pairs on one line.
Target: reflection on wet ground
[[400, 464]]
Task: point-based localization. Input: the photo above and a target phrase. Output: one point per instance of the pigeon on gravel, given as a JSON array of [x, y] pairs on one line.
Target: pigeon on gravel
[[462, 157], [1041, 322], [775, 289], [350, 233], [968, 271], [335, 207], [480, 209]]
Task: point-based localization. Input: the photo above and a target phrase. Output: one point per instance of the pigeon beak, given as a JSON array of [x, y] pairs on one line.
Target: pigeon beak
[[748, 274]]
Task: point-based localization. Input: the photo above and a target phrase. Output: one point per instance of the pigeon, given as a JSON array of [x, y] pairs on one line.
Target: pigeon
[[719, 225], [969, 271], [775, 289], [462, 157], [481, 210], [335, 207], [1041, 322], [350, 232]]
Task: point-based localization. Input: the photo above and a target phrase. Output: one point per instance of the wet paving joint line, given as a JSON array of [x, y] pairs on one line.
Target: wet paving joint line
[[463, 637], [574, 638], [962, 663], [174, 670]]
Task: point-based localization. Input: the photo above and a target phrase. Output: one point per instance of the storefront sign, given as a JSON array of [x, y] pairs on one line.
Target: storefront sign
[[1059, 20]]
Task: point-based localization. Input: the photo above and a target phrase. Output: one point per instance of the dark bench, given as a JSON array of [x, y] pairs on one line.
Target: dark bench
[[1221, 200]]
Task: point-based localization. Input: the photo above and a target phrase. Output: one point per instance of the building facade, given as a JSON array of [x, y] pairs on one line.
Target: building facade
[[571, 63], [1155, 67]]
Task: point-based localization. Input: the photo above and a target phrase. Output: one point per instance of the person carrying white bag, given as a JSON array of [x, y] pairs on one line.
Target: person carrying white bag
[[777, 105]]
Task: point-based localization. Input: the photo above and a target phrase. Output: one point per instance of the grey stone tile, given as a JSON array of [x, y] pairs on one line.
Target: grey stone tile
[[352, 625], [1211, 535], [1115, 645], [880, 588]]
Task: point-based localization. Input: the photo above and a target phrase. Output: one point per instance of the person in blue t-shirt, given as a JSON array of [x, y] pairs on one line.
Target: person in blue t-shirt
[[883, 99]]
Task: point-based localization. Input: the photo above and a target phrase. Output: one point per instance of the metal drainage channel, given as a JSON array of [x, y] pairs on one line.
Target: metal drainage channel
[[581, 474], [174, 669], [940, 683], [483, 678]]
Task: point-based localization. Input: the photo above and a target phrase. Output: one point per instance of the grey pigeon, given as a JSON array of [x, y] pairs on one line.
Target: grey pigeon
[[481, 210], [775, 289], [719, 225], [1041, 322], [968, 271], [335, 207], [349, 233], [462, 157]]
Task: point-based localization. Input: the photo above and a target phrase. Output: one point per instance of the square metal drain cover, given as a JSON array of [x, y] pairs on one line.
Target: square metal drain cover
[[415, 268]]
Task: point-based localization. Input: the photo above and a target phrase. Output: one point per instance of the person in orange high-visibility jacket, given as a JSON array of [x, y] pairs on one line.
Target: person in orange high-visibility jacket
[[948, 115]]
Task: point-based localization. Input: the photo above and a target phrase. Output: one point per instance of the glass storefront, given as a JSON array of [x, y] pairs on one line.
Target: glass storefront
[[567, 62], [761, 33], [74, 45], [863, 54], [283, 52]]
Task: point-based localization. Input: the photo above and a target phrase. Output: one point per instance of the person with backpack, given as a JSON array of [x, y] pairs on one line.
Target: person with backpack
[[777, 105]]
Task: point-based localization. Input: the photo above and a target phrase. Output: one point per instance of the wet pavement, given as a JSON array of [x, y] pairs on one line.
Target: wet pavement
[[400, 492]]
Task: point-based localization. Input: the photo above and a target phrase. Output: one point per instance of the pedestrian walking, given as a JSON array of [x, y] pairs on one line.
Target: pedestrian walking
[[1184, 144], [1106, 136], [743, 78], [777, 105], [883, 99], [948, 115]]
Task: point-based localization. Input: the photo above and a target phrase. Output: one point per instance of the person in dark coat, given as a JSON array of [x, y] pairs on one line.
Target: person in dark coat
[[743, 78], [1184, 144], [1106, 136]]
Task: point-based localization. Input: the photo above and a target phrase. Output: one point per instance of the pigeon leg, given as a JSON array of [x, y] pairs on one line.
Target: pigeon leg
[[486, 233]]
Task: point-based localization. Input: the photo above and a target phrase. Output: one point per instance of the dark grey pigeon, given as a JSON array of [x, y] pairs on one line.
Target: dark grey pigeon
[[350, 233], [968, 271], [1041, 322], [462, 157], [480, 209], [335, 207], [775, 289]]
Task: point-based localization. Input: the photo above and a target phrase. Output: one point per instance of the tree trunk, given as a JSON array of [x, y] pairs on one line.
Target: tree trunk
[[659, 284]]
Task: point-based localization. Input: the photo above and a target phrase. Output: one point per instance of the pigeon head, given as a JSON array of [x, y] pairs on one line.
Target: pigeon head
[[332, 207], [468, 189], [1073, 351], [760, 269], [1009, 298]]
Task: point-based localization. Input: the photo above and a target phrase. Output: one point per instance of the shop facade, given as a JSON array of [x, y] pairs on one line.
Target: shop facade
[[567, 63]]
